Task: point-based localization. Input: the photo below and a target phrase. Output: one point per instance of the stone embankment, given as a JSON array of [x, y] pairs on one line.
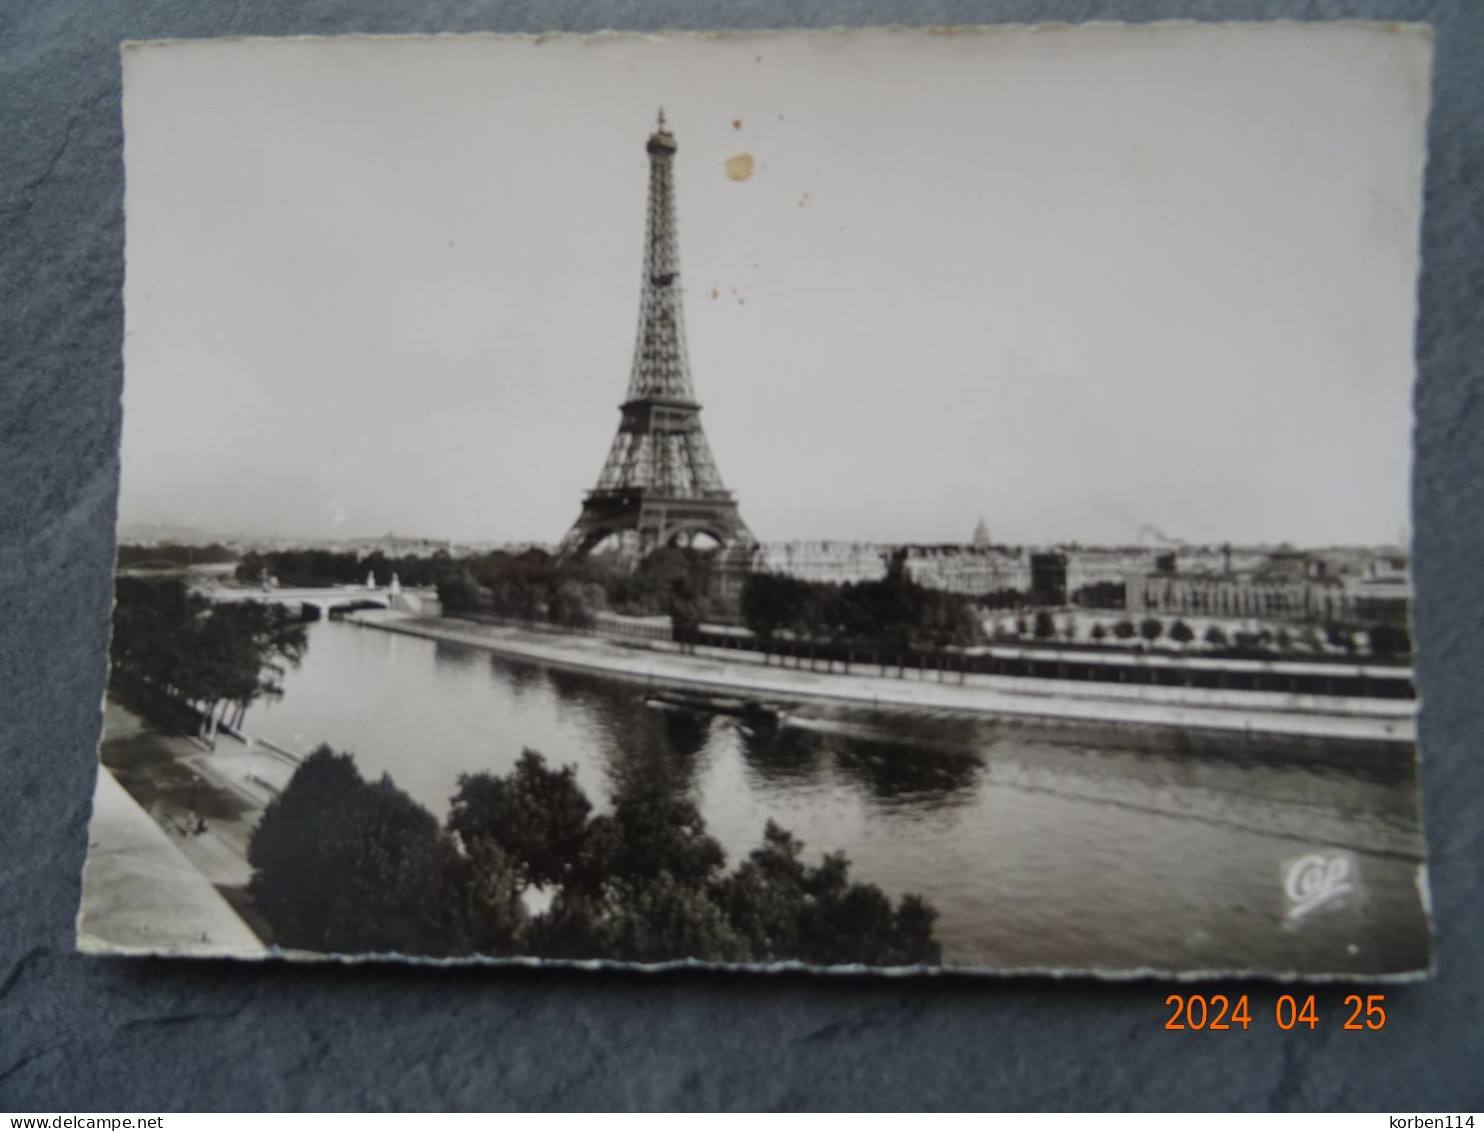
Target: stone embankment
[[167, 866], [142, 894], [661, 663]]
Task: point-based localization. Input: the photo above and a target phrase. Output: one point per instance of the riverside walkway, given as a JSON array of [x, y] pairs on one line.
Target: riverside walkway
[[141, 895], [711, 669]]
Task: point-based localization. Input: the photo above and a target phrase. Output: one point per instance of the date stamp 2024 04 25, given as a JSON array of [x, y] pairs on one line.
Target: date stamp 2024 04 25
[[1218, 1011]]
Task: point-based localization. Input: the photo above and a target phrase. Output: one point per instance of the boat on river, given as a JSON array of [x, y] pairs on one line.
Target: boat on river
[[753, 713]]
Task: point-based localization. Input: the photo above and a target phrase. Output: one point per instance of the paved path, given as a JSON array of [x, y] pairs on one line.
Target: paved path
[[140, 893]]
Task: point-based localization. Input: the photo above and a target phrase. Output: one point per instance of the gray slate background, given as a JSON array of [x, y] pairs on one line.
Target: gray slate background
[[80, 1034]]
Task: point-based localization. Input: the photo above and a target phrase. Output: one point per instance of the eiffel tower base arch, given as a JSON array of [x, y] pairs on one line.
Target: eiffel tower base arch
[[654, 520]]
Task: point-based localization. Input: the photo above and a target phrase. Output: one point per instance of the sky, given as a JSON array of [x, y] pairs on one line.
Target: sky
[[1084, 283]]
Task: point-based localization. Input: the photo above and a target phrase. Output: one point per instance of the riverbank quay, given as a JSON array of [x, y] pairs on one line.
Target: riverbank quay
[[141, 894], [662, 663], [204, 802]]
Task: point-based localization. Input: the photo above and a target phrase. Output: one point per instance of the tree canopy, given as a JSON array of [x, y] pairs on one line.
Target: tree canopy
[[177, 643], [349, 866], [895, 612]]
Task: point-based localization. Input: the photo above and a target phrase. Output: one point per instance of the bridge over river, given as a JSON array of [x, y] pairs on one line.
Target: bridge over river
[[323, 600]]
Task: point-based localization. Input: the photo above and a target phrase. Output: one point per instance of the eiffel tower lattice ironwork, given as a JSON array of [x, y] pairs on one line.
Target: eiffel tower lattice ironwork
[[659, 481]]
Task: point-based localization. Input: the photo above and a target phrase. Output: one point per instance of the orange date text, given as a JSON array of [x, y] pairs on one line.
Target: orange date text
[[1290, 1011]]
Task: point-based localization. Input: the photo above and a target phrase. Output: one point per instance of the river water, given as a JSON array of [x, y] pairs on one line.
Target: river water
[[1042, 845]]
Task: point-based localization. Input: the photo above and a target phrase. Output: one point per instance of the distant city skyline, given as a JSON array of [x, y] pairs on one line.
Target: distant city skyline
[[1085, 284], [150, 533]]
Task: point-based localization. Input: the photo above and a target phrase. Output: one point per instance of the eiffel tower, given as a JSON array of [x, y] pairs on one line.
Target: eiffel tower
[[659, 482]]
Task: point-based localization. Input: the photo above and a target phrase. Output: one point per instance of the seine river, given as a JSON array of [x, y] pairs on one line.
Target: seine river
[[1043, 846]]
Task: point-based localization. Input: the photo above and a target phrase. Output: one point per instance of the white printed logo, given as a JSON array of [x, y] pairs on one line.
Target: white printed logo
[[1314, 880]]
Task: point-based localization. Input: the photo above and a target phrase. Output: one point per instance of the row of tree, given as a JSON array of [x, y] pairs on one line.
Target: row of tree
[[307, 569], [175, 646], [347, 866], [894, 613], [534, 586], [167, 554], [1383, 639]]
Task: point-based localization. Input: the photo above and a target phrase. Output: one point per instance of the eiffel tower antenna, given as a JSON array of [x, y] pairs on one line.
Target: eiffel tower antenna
[[659, 481]]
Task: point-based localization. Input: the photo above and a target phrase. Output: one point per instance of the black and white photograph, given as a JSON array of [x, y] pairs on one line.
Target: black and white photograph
[[874, 499]]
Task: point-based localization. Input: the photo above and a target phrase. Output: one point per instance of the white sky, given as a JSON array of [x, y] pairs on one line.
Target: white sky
[[1072, 280]]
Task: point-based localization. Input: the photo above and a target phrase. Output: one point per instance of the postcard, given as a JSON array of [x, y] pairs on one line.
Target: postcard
[[895, 499]]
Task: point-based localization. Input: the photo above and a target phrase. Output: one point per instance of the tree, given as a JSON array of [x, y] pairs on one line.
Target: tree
[[1215, 637], [683, 605], [788, 910], [649, 590], [346, 866], [1150, 629], [1389, 640], [772, 603], [536, 816], [1004, 599], [655, 830], [1181, 633], [459, 593], [667, 920], [844, 922], [1099, 632], [252, 569], [516, 595], [211, 656], [1045, 626], [1124, 630], [1101, 595], [894, 613], [572, 605], [240, 653]]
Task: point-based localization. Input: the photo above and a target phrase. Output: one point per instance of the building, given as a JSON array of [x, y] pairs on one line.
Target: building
[[1088, 566], [829, 563], [1283, 585], [833, 563], [1239, 595], [971, 570]]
